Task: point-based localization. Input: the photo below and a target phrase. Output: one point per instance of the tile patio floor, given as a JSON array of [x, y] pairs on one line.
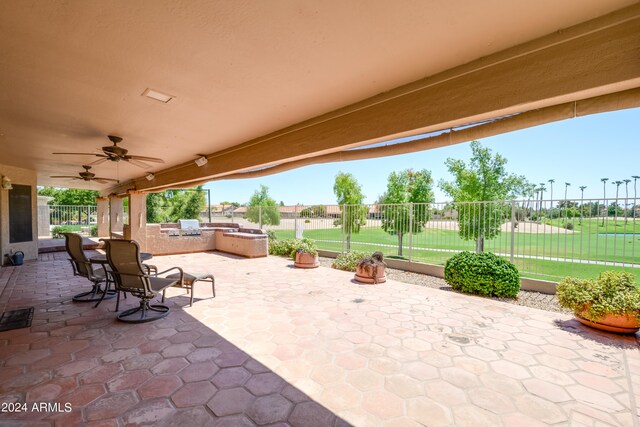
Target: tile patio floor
[[283, 346]]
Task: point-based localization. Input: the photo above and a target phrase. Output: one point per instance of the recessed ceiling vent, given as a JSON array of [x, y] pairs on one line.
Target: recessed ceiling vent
[[158, 96]]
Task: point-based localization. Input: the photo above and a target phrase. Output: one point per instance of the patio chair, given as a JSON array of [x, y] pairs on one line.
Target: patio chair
[[131, 276], [83, 267]]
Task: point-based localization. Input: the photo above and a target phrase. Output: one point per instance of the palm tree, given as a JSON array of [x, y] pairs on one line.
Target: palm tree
[[566, 185], [604, 198], [582, 187], [626, 197], [615, 210], [635, 195], [551, 181], [542, 190]]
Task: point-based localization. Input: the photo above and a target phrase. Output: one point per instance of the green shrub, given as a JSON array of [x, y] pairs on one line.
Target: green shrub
[[482, 273], [93, 231], [614, 292], [56, 232], [281, 247], [569, 226], [289, 247], [348, 260]]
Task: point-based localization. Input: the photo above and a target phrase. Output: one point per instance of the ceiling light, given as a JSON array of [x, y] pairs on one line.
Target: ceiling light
[[150, 176], [158, 96], [201, 161]]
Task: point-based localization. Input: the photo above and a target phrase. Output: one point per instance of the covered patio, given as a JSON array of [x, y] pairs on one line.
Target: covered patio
[[214, 90], [281, 345]]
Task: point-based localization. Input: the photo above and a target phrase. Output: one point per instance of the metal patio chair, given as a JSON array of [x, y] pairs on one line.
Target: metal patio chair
[[131, 276], [83, 267]]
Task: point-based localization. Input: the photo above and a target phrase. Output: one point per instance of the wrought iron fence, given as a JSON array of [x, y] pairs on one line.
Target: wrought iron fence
[[73, 218], [545, 239]]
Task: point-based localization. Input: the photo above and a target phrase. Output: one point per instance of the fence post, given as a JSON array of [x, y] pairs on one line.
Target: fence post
[[260, 217], [410, 230], [513, 229]]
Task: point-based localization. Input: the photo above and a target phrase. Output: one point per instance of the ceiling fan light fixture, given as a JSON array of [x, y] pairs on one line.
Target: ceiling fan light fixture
[[150, 177], [158, 96], [201, 161]]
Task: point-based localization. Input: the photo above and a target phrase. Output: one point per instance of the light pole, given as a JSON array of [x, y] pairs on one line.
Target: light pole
[[582, 187], [604, 198]]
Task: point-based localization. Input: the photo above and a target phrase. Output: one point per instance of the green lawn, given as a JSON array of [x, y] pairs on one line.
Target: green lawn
[[595, 226], [543, 256]]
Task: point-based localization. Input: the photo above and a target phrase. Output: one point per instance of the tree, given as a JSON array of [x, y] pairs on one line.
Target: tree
[[315, 211], [262, 208], [70, 196], [155, 208], [485, 179], [187, 204], [399, 214], [173, 205], [353, 214]]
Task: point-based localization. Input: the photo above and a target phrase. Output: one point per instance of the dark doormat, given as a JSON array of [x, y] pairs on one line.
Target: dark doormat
[[16, 319]]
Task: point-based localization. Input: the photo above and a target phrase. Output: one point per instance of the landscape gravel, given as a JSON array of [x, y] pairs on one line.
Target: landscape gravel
[[525, 298]]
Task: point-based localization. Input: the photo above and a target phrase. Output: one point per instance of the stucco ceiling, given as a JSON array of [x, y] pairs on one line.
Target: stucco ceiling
[[72, 72]]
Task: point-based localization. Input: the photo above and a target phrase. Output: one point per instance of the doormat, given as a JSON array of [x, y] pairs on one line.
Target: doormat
[[16, 319]]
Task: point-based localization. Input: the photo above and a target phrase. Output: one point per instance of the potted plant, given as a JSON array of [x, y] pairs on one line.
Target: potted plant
[[305, 254], [371, 269], [610, 303]]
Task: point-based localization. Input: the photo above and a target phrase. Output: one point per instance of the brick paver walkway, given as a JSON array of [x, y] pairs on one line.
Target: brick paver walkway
[[283, 346]]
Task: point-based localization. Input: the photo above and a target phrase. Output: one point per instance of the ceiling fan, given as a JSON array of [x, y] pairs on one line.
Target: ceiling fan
[[87, 176], [116, 153]]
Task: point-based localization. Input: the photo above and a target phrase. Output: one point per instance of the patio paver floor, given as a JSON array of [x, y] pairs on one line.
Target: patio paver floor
[[307, 348]]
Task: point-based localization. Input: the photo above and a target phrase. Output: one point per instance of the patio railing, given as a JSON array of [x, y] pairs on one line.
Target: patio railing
[[545, 239]]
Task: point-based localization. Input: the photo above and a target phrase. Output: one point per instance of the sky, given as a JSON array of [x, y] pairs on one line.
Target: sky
[[580, 151]]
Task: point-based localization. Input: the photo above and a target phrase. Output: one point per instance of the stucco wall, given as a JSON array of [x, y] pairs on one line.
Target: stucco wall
[[22, 177]]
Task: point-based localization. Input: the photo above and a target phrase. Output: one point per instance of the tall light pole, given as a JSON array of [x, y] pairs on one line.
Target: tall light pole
[[582, 187], [604, 198]]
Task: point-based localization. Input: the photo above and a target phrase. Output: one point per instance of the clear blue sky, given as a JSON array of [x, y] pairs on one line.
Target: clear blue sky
[[579, 151]]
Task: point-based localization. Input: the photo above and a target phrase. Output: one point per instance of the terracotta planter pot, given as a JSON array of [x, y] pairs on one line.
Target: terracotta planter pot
[[305, 260], [611, 323], [366, 275]]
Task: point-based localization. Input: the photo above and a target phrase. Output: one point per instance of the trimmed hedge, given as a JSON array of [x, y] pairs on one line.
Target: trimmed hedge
[[482, 273]]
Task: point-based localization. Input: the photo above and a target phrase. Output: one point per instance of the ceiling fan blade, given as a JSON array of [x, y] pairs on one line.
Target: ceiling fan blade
[[137, 163], [146, 159], [81, 154], [64, 176], [105, 180], [97, 162]]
